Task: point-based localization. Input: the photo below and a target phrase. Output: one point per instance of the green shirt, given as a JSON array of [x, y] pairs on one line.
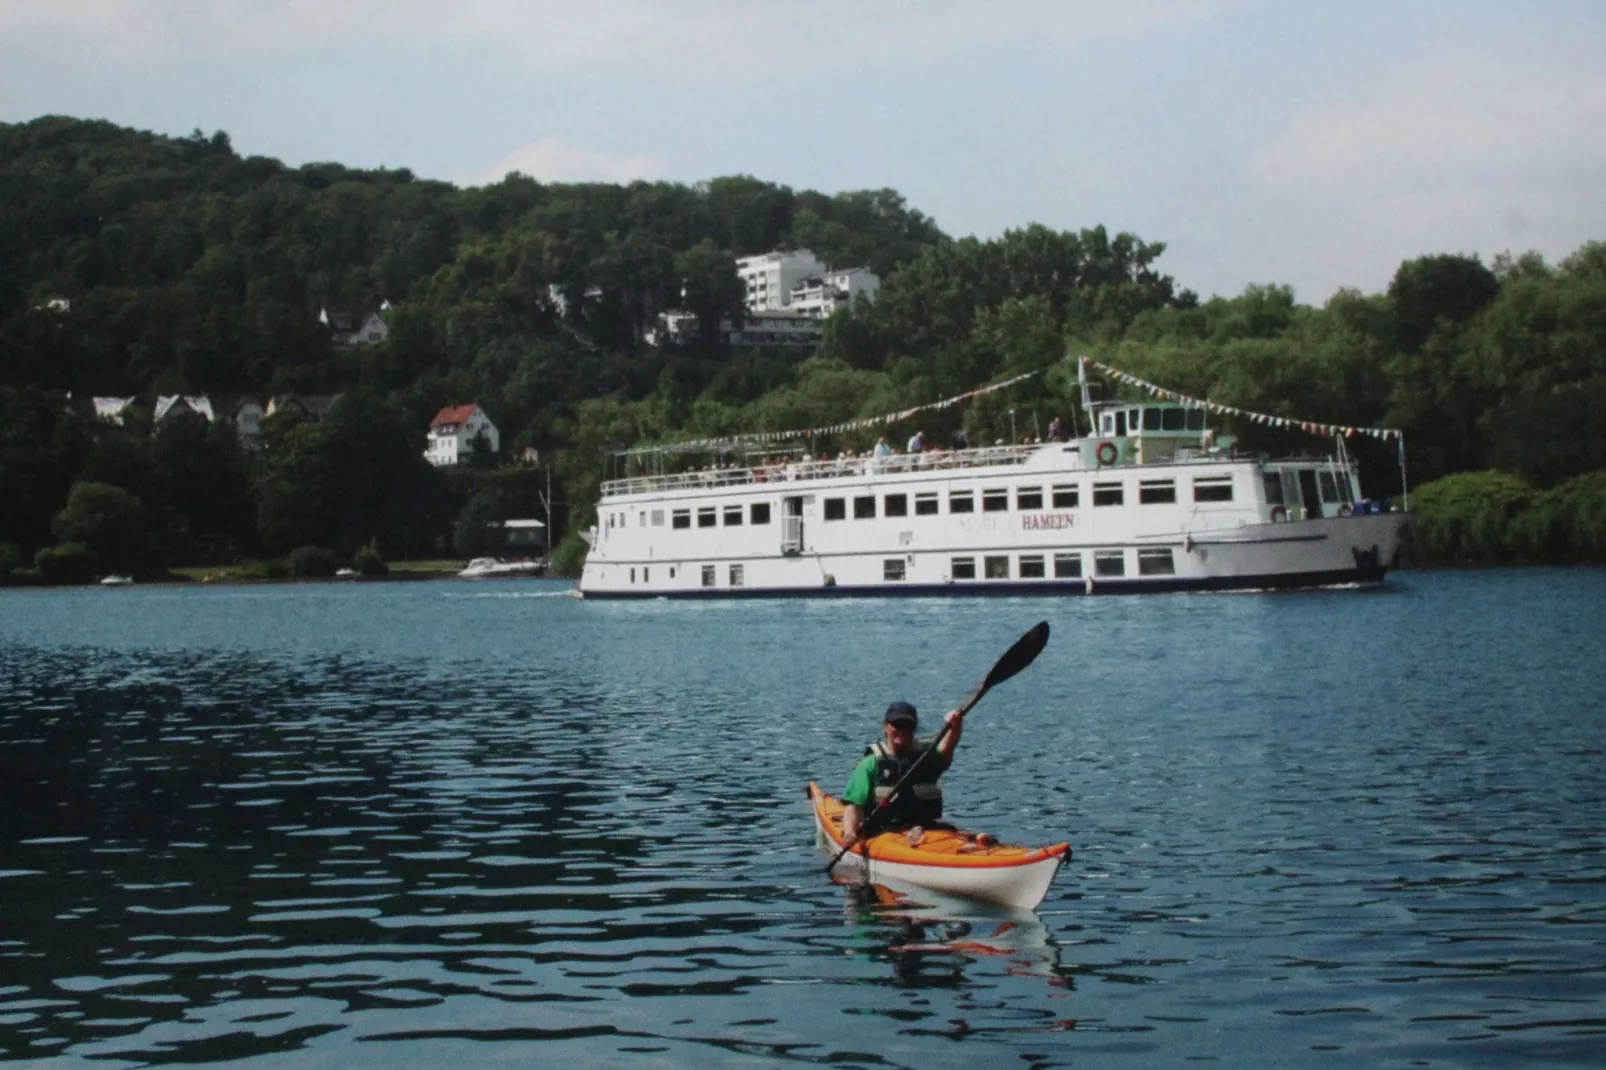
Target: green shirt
[[860, 791]]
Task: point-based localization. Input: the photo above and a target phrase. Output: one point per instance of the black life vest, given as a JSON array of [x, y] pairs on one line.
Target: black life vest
[[920, 801]]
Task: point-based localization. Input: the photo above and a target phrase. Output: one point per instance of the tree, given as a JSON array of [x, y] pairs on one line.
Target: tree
[[110, 522]]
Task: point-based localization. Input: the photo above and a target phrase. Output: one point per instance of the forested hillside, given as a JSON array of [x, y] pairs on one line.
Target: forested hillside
[[134, 264]]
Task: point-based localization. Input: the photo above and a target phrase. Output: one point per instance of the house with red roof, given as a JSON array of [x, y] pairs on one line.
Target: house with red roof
[[452, 433]]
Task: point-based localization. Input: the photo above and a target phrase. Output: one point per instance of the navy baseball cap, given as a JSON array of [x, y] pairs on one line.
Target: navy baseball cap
[[902, 713]]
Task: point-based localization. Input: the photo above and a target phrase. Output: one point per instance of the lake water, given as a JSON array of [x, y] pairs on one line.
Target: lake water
[[426, 824]]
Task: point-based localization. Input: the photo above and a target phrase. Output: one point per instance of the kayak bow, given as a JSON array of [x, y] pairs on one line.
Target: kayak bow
[[944, 860]]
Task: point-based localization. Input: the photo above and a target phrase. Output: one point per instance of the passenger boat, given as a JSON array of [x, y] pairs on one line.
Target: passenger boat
[[1150, 500], [944, 860]]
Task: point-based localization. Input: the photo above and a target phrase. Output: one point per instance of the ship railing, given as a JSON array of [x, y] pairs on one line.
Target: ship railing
[[833, 468]]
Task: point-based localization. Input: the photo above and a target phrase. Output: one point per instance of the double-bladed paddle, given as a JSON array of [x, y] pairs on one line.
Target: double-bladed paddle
[[1017, 657]]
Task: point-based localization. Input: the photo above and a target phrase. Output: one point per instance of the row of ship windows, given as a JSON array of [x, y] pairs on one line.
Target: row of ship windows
[[993, 500], [1029, 499], [1155, 561]]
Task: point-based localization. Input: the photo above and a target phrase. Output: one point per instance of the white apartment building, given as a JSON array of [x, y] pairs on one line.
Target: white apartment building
[[769, 277], [821, 295]]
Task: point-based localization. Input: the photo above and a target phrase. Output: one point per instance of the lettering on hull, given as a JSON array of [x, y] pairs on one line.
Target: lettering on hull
[[1047, 521]]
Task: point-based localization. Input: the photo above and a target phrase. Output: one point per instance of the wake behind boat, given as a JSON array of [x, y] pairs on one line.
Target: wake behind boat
[[949, 861]]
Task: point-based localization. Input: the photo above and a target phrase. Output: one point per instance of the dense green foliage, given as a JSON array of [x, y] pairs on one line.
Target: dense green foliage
[[137, 264]]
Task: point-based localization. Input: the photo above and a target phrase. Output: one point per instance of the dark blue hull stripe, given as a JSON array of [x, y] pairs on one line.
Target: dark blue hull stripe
[[1010, 588]]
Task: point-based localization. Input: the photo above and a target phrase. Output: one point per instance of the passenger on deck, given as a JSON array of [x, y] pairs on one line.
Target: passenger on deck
[[885, 763], [1056, 430], [917, 442], [882, 448]]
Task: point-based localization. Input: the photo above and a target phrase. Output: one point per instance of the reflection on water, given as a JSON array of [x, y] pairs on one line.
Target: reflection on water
[[455, 822]]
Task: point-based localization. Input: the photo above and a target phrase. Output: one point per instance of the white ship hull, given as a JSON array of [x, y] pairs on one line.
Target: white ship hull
[[1003, 521]]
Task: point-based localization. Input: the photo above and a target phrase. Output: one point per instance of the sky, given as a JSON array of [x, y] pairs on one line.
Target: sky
[[1289, 142]]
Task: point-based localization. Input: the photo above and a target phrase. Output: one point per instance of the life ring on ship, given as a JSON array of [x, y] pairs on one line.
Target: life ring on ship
[[1107, 453], [1345, 509], [1278, 514]]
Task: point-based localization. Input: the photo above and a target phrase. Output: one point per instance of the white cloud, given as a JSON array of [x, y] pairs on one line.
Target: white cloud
[[1456, 121], [1467, 152], [554, 160], [696, 40]]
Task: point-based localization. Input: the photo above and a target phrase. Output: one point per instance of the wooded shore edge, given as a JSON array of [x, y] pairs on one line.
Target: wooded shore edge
[[141, 266]]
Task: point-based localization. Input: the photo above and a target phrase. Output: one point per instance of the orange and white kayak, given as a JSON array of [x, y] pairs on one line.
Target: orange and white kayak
[[944, 860]]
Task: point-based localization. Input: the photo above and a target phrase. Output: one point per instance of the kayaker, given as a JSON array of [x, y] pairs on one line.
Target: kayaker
[[885, 763]]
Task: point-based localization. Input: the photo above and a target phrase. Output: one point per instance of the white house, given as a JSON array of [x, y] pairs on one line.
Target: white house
[[111, 409], [174, 404], [355, 326], [769, 277], [821, 295], [452, 433]]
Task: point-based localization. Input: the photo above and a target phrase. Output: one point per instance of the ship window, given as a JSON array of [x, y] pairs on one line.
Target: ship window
[[1120, 422], [996, 568], [1109, 563], [963, 568], [960, 501], [706, 517], [641, 520], [1028, 498], [671, 571], [1156, 562], [1274, 488], [926, 504], [1157, 491], [1066, 497], [995, 500], [1107, 424], [1212, 489], [736, 575], [1196, 419], [657, 518], [1031, 568], [733, 516], [758, 513], [632, 575], [836, 509], [1067, 566], [1329, 486], [645, 574], [892, 568], [864, 508], [708, 575], [1151, 419], [1172, 419], [1108, 494], [682, 518], [895, 505]]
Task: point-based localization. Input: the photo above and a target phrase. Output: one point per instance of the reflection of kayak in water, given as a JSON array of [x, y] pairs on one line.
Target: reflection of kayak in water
[[925, 927], [943, 859]]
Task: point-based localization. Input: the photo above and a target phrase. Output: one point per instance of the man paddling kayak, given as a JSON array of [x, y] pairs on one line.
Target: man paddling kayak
[[885, 764]]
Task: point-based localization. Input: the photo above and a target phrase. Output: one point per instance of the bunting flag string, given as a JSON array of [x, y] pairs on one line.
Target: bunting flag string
[[1266, 419], [886, 420]]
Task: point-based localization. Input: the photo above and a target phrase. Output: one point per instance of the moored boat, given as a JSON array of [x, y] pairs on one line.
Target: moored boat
[[482, 568], [945, 860]]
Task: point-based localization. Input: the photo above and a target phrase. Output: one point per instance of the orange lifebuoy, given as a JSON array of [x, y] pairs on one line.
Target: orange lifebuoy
[[1278, 513], [1107, 453]]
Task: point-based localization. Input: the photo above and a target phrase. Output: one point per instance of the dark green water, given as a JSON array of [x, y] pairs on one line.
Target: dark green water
[[445, 823]]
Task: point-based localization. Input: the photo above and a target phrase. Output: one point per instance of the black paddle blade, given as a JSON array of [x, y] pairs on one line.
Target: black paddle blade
[[1017, 657]]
